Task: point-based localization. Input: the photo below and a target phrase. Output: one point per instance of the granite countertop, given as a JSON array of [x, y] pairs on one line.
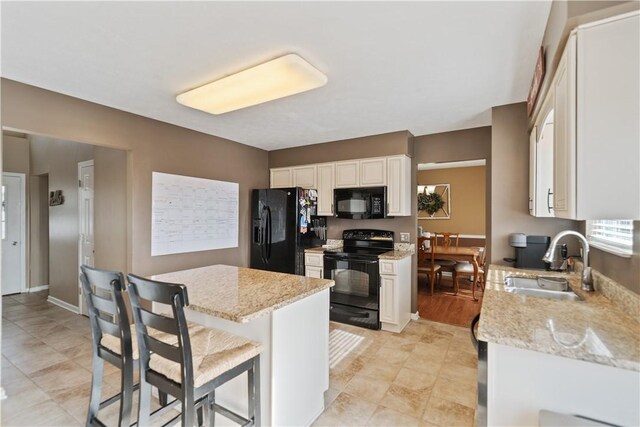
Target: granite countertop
[[242, 294], [593, 330], [396, 255], [316, 250]]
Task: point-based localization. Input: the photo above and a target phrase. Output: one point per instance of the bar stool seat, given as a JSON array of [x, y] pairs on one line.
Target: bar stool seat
[[213, 352], [112, 343]]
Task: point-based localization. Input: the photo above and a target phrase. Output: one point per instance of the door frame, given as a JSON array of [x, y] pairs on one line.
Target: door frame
[[81, 305], [23, 226]]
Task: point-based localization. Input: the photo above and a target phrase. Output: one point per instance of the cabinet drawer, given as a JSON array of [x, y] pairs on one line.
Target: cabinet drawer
[[315, 272], [314, 260], [388, 267]]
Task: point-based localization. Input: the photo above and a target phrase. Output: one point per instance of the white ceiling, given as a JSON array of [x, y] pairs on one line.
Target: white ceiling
[[422, 66]]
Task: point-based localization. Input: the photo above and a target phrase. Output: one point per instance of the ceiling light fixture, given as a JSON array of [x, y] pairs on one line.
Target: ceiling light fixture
[[280, 77]]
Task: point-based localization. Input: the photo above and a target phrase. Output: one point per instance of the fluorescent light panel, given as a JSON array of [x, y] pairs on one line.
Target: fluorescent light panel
[[280, 77]]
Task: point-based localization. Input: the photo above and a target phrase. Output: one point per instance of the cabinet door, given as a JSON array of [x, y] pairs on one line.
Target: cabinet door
[[281, 178], [304, 176], [389, 299], [373, 172], [608, 120], [533, 142], [347, 174], [325, 189], [564, 142], [399, 190], [315, 272], [544, 171]]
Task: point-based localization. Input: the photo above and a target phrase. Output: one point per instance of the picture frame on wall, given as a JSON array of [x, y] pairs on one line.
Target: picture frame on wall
[[435, 201]]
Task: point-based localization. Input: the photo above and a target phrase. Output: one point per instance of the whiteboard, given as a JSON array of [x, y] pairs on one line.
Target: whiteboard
[[192, 214]]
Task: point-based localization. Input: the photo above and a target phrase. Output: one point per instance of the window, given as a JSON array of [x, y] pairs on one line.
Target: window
[[614, 236]]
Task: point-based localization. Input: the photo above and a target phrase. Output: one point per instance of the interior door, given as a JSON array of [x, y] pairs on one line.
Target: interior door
[[86, 237], [13, 233]]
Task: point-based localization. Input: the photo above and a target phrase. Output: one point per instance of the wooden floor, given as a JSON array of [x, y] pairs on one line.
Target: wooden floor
[[444, 306]]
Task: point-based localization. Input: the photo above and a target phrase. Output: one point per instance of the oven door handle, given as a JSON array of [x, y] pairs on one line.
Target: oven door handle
[[351, 258]]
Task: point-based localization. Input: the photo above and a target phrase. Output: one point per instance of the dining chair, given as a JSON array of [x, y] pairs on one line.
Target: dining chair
[[447, 239], [466, 268], [112, 340], [186, 360], [426, 260]]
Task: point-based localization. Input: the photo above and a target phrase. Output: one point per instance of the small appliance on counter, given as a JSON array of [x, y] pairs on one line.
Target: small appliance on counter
[[529, 251], [284, 223]]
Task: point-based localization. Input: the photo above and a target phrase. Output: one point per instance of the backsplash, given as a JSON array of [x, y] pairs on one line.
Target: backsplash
[[405, 247], [628, 301]]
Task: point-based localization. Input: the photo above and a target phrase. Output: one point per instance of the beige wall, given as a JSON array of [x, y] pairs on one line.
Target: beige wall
[[510, 184], [38, 230], [151, 146], [15, 152], [110, 208], [59, 159], [468, 195], [387, 144]]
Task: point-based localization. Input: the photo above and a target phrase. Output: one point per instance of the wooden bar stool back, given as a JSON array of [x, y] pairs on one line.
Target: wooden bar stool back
[[111, 339], [186, 360]]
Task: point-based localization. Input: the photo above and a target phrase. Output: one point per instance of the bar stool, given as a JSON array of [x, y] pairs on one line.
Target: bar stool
[[186, 360], [111, 339]]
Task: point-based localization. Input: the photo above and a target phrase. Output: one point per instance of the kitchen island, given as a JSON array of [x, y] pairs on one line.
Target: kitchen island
[[287, 314]]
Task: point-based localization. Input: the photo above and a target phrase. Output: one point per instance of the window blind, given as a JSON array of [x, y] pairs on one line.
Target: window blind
[[611, 235]]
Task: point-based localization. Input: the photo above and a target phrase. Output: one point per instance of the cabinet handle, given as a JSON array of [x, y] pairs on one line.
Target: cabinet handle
[[530, 201], [549, 194]]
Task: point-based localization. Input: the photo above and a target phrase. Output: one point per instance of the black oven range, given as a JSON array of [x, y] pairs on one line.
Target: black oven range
[[355, 298]]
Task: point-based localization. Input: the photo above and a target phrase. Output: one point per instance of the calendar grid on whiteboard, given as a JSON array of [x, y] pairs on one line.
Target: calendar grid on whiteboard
[[192, 214]]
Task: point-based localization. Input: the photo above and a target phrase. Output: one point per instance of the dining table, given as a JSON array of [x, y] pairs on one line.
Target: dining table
[[461, 253]]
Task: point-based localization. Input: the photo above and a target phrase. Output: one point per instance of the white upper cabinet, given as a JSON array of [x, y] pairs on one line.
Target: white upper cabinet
[[281, 178], [304, 176], [347, 174], [325, 187], [533, 141], [399, 191], [597, 122], [544, 169], [564, 153], [394, 172], [373, 172]]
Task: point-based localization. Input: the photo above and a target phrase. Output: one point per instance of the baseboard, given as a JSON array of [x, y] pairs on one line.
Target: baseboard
[[37, 289], [415, 316], [63, 304]]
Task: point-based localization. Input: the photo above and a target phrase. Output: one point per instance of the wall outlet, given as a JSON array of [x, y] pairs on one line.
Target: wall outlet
[[404, 237]]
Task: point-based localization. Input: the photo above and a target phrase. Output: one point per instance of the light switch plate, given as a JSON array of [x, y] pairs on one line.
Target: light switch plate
[[404, 237]]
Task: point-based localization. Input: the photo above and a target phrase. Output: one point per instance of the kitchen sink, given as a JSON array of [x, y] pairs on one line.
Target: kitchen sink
[[541, 286]]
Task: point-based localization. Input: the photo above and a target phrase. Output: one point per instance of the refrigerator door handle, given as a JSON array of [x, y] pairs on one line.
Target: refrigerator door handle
[[263, 234], [268, 233]]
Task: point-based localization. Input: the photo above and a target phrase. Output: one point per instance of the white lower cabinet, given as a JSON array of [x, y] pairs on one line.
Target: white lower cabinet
[[395, 293], [313, 265], [521, 382]]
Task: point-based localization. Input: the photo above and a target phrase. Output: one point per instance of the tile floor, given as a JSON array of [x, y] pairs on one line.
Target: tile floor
[[424, 376]]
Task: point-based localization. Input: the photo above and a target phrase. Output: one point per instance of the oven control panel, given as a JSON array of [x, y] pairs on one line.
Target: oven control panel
[[367, 235]]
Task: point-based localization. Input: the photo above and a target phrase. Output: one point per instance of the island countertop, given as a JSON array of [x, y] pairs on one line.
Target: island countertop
[[242, 294], [593, 330]]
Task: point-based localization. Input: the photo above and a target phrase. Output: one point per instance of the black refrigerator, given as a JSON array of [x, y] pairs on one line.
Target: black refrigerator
[[284, 223]]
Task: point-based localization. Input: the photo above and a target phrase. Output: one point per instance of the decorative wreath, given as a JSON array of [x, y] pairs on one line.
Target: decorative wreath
[[431, 202]]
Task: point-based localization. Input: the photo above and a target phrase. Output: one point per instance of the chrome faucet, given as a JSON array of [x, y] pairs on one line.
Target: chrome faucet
[[587, 280]]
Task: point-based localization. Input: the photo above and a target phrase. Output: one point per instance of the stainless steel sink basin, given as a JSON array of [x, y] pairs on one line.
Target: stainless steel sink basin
[[541, 286]]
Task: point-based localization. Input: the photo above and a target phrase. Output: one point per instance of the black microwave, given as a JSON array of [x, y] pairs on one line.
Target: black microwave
[[360, 203]]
